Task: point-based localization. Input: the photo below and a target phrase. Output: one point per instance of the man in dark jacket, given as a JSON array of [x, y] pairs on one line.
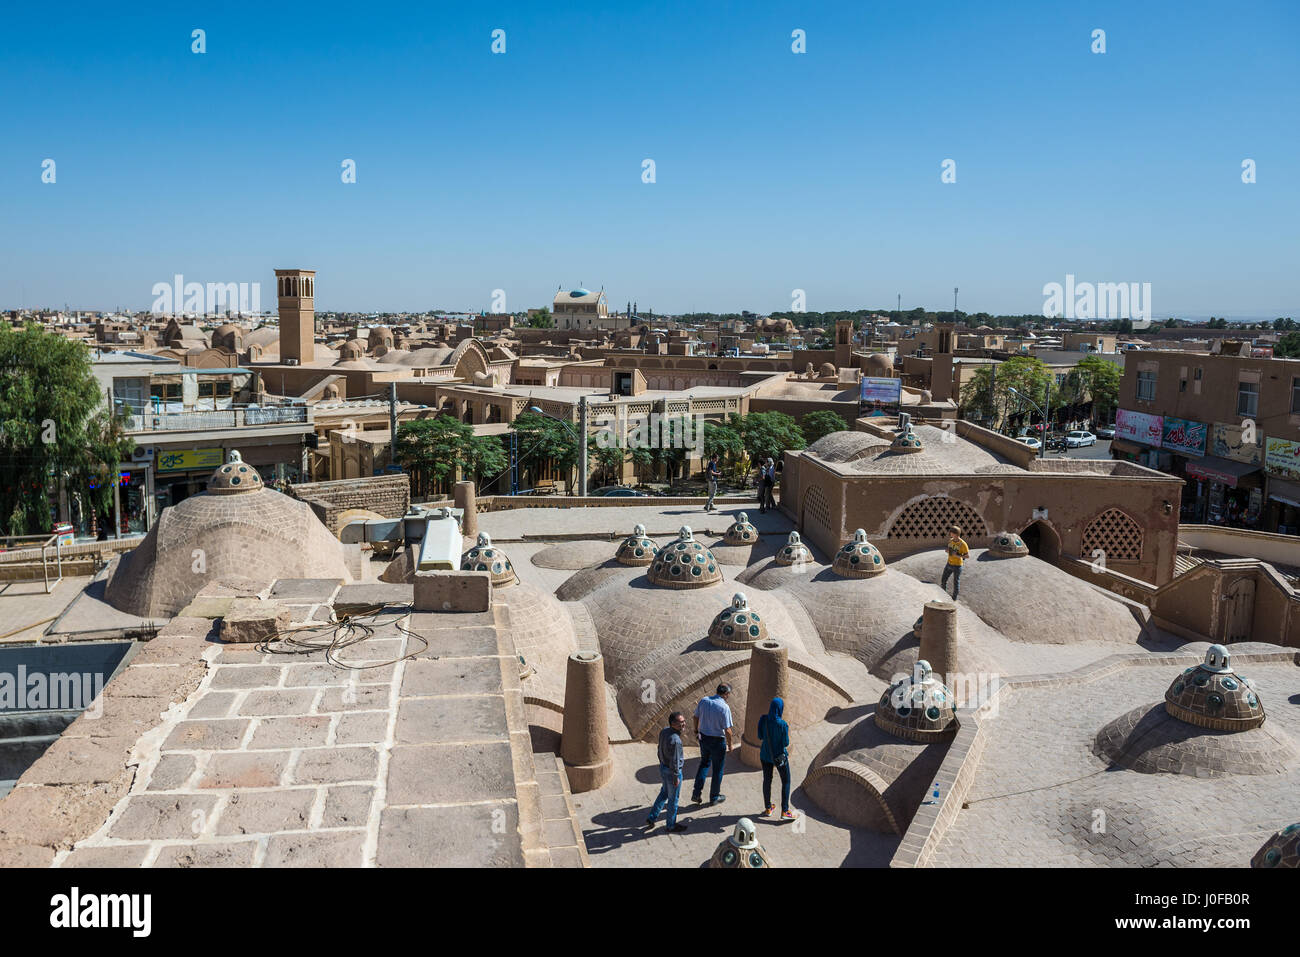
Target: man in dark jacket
[[671, 758]]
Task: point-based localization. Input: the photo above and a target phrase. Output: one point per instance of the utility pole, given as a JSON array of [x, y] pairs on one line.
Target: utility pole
[[582, 446], [392, 423]]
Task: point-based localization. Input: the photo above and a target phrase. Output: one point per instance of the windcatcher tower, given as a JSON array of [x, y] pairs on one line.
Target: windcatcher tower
[[296, 289]]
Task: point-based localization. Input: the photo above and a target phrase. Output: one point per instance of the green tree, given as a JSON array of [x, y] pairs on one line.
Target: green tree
[[1095, 381], [817, 425], [542, 319], [609, 462], [55, 427], [643, 460], [486, 457], [989, 393], [1288, 347], [768, 434], [431, 449], [544, 441]]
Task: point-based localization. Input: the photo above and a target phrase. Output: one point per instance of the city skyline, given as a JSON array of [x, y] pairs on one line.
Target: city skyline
[[775, 171]]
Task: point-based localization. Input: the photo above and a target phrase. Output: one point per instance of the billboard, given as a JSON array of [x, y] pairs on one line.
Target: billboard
[[182, 459], [1226, 443], [879, 396], [1139, 427], [1282, 458], [1183, 436]]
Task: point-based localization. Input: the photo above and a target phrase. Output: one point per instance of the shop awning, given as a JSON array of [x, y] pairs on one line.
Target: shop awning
[[1224, 471], [1132, 448], [1286, 492]]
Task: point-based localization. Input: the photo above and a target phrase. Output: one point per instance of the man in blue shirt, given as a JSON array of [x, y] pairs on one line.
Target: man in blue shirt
[[713, 728], [671, 758]]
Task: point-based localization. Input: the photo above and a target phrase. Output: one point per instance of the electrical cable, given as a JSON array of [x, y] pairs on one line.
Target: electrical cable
[[338, 634]]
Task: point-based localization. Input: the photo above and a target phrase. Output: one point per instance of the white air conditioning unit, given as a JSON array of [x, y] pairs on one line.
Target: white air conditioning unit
[[142, 455]]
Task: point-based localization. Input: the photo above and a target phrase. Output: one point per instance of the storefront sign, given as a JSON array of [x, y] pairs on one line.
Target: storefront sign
[[1183, 437], [1226, 443], [880, 396], [1139, 427], [1206, 471], [182, 460], [1282, 458]]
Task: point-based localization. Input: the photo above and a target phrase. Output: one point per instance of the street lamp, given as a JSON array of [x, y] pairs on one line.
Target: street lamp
[[1020, 395], [580, 435]]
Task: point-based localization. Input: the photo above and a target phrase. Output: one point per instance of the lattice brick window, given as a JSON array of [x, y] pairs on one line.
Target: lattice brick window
[[931, 517], [816, 508], [1116, 535]]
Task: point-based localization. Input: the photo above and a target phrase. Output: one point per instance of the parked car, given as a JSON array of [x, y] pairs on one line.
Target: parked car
[[618, 491], [1030, 441], [1106, 432], [1079, 439]]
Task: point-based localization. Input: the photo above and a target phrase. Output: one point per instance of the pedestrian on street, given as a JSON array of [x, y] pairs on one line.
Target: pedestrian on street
[[957, 552], [713, 473], [672, 756], [713, 729], [774, 754]]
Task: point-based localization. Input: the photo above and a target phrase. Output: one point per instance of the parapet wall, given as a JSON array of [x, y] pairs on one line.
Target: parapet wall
[[385, 495]]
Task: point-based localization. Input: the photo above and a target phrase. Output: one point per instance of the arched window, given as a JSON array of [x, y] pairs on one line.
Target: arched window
[[1115, 535], [930, 518]]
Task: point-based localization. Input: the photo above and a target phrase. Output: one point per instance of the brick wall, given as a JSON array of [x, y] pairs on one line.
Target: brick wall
[[385, 495]]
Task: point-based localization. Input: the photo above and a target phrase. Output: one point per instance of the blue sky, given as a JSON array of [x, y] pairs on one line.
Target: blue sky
[[775, 171]]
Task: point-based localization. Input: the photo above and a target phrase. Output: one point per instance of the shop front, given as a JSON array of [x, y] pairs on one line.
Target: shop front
[[1224, 492], [180, 473], [1282, 463]]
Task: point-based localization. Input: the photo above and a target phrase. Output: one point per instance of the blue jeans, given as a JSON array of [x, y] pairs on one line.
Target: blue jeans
[[668, 794], [713, 491], [713, 752], [784, 771], [955, 572]]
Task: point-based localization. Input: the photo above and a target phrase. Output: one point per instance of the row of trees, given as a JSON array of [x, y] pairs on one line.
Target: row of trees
[[1090, 389], [56, 429], [432, 450]]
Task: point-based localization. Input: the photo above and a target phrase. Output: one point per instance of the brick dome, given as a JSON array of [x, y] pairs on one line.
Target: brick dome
[[1280, 850], [234, 477], [636, 549], [737, 625], [741, 531], [685, 563], [1008, 545], [486, 557], [859, 558], [1212, 695], [795, 552], [918, 707]]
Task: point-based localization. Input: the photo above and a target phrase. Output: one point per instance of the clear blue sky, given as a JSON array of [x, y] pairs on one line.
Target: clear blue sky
[[775, 171]]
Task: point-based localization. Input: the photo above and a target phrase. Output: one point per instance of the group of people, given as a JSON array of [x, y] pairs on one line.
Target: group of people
[[766, 482], [714, 731]]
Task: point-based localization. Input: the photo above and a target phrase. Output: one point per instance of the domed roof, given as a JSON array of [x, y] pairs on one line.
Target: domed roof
[[1212, 695], [1008, 545], [234, 477], [576, 293], [486, 557], [907, 441], [685, 563], [741, 849], [795, 552], [918, 707], [859, 558], [1280, 850], [741, 531], [257, 534], [737, 625], [636, 548], [878, 365]]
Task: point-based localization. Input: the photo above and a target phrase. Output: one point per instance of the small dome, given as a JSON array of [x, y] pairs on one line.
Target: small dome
[[906, 442], [741, 532], [486, 557], [579, 293], [795, 552], [1280, 850], [918, 707], [234, 477], [859, 558], [1212, 695], [740, 849], [878, 366], [1008, 545], [828, 369], [737, 625], [685, 563], [636, 549]]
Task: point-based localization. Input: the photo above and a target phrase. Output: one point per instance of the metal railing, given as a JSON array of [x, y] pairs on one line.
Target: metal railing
[[30, 543], [145, 421]]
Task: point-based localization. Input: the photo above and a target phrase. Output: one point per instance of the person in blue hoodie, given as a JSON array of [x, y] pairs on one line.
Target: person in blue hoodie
[[775, 754]]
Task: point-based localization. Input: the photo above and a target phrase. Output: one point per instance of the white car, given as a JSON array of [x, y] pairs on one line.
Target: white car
[[1030, 441], [1078, 439]]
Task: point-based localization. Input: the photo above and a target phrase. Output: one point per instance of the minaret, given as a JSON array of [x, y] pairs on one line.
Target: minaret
[[296, 289]]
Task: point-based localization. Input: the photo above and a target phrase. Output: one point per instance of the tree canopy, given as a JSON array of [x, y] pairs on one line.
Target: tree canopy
[[817, 425], [54, 427], [432, 449], [768, 434]]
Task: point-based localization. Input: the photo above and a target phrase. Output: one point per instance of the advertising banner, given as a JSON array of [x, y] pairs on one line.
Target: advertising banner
[[1282, 458], [184, 459], [1183, 437], [1226, 443], [1139, 427], [879, 396]]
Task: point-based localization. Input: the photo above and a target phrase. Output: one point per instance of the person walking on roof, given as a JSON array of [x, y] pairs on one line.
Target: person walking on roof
[[957, 552], [774, 755], [672, 756]]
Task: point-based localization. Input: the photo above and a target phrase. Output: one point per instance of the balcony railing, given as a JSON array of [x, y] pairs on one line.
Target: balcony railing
[[145, 421]]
